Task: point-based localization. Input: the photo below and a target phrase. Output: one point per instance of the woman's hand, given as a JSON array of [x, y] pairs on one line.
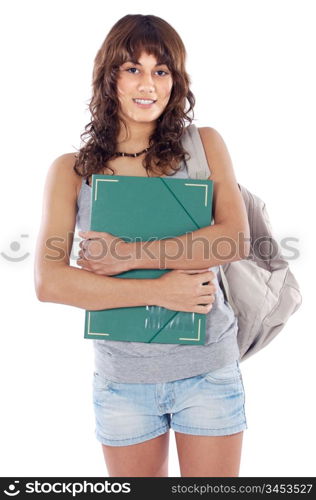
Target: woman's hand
[[104, 253], [187, 290]]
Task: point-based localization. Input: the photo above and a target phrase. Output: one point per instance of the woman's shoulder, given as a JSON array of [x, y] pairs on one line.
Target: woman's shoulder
[[210, 136], [209, 131], [62, 168], [215, 148]]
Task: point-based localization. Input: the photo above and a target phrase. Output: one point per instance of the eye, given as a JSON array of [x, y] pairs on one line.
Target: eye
[[130, 69], [158, 71]]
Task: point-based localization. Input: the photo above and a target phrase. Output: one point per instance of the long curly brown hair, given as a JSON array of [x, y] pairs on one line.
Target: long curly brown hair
[[129, 36]]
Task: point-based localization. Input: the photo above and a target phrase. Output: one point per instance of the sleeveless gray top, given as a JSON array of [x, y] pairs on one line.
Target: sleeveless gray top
[[138, 362]]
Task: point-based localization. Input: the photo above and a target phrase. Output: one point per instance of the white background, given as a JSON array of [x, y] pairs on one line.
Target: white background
[[252, 66]]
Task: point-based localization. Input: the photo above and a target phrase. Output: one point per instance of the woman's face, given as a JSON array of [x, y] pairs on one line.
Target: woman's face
[[143, 79]]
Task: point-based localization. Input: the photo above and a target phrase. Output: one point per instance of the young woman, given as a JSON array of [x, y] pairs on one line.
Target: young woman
[[140, 93]]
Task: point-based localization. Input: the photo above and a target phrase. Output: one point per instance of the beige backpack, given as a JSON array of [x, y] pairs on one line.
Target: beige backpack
[[261, 289]]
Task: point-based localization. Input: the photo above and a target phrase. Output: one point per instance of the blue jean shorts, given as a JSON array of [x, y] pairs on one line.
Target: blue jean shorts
[[210, 404]]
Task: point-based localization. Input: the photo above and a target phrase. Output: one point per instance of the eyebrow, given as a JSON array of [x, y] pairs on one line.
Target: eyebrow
[[160, 63]]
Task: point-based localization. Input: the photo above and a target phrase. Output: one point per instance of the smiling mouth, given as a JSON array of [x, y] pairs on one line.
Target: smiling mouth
[[144, 102]]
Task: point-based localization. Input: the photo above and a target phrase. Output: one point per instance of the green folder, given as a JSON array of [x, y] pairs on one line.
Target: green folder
[[144, 209]]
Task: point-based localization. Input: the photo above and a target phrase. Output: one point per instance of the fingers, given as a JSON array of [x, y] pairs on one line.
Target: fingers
[[208, 289], [84, 244], [82, 254], [196, 271], [207, 274], [86, 249], [203, 309], [206, 299], [206, 279]]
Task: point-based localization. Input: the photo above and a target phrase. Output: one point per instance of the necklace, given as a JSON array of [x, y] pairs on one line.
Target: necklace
[[119, 153]]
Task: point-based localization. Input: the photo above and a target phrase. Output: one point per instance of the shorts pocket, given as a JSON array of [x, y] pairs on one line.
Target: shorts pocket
[[225, 375]]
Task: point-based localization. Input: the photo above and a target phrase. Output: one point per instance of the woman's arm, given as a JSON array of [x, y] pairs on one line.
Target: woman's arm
[[57, 281], [227, 240]]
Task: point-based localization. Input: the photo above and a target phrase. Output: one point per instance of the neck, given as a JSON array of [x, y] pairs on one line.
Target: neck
[[136, 138]]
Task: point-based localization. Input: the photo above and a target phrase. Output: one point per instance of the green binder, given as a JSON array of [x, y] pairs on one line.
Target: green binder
[[143, 209]]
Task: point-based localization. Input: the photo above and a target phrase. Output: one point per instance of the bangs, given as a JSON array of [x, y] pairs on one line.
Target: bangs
[[149, 42]]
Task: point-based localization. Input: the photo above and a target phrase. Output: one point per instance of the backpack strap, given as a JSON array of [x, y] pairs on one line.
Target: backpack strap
[[198, 168], [226, 291], [197, 165]]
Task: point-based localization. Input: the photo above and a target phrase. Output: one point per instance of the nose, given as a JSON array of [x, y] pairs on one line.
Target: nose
[[146, 83]]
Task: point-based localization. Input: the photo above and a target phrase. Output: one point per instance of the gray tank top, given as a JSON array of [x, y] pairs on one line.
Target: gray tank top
[[138, 362]]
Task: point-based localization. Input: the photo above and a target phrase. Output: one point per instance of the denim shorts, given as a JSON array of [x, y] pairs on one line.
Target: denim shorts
[[210, 404]]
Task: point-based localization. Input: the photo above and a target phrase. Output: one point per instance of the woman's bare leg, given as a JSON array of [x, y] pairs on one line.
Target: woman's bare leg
[[147, 459], [209, 456]]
